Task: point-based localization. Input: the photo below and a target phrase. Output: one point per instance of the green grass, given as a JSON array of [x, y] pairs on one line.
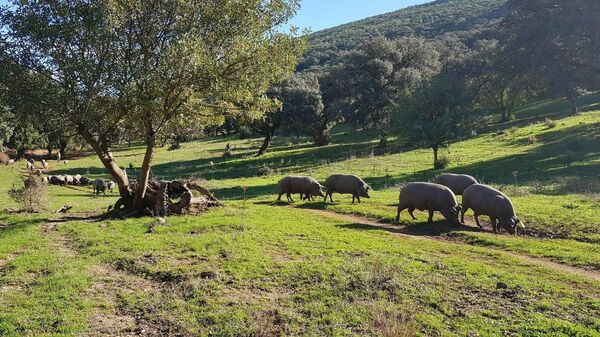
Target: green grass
[[256, 267]]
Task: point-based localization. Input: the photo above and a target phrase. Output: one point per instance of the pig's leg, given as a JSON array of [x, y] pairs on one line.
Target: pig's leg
[[410, 211], [430, 219], [477, 220], [400, 209]]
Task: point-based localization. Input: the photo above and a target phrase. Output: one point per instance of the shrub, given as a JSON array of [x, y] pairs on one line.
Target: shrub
[[4, 158], [244, 132], [266, 171], [32, 197], [538, 187], [441, 163], [550, 123], [512, 190], [569, 158], [174, 146], [533, 139]]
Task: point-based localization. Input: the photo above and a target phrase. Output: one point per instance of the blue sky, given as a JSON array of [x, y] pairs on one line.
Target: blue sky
[[321, 14]]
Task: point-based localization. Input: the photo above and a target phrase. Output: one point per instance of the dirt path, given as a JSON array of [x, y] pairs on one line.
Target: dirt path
[[109, 284], [591, 274]]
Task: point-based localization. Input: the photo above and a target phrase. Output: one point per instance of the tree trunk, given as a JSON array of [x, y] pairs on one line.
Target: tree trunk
[[435, 154], [103, 152], [49, 149], [21, 153], [267, 142], [321, 138], [574, 106], [62, 148], [144, 174]]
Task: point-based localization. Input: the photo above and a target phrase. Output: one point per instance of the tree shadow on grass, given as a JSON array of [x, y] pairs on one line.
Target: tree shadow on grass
[[291, 160], [572, 152], [238, 193], [437, 228], [19, 222], [569, 152]]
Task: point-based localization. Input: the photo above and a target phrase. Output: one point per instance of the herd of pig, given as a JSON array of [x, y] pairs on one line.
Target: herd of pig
[[439, 195], [99, 185]]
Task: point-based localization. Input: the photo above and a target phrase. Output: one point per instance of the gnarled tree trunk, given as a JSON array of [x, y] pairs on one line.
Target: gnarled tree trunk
[[105, 155], [144, 175], [270, 132]]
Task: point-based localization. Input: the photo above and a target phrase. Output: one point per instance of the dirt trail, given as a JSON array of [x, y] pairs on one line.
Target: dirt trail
[[591, 274], [109, 283]]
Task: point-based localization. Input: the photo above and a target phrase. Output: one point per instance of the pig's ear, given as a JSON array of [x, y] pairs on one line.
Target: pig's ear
[[368, 187], [519, 223]]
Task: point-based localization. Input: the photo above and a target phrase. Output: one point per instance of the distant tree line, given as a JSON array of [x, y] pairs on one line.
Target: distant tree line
[[435, 90]]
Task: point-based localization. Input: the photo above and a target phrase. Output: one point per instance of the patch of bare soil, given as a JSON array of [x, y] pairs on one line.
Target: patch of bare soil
[[4, 264], [109, 320], [58, 243], [110, 283], [354, 219]]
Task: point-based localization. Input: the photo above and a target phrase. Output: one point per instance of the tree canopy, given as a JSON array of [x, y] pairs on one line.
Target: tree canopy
[[152, 64], [441, 109], [372, 77], [556, 42]]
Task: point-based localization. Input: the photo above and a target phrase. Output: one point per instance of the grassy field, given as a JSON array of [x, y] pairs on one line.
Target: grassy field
[[260, 268]]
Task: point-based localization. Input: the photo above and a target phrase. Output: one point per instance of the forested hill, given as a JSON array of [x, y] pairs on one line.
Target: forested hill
[[468, 19]]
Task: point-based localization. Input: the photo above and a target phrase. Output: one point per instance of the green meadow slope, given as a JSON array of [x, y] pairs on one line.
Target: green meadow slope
[[259, 268]]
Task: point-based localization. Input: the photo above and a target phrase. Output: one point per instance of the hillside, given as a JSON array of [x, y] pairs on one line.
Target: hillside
[[256, 267], [467, 19]]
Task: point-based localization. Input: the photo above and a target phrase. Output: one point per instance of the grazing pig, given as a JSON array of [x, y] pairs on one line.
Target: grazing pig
[[45, 180], [84, 181], [10, 161], [431, 197], [456, 182], [306, 186], [77, 179], [38, 172], [57, 180], [69, 180], [486, 200], [346, 184], [30, 166], [99, 186], [45, 164], [110, 186]]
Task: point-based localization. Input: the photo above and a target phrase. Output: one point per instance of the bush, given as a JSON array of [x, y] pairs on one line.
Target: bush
[[533, 139], [32, 197], [441, 163], [322, 139], [4, 158], [550, 123], [174, 146], [266, 171], [244, 132]]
